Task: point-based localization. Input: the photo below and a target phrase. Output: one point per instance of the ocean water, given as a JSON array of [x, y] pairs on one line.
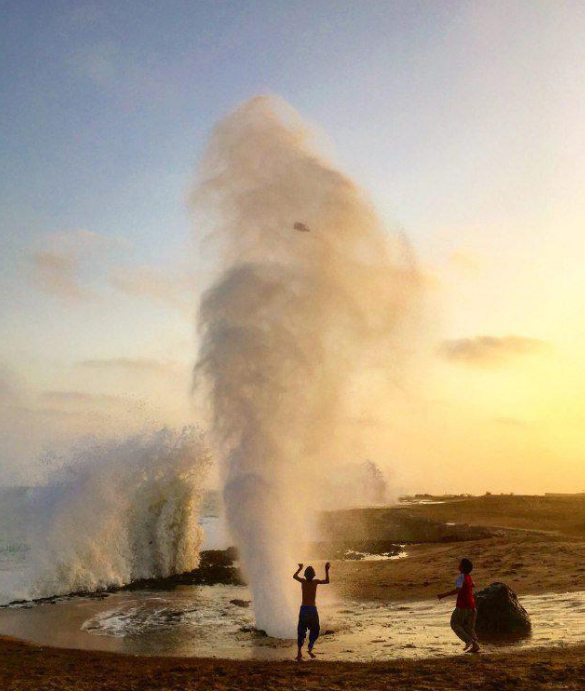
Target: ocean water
[[14, 547]]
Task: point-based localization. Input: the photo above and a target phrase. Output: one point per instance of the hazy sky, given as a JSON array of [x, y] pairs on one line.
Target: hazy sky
[[464, 121]]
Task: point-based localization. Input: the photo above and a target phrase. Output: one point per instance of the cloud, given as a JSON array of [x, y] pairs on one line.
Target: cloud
[[9, 390], [48, 413], [83, 241], [62, 261], [490, 350], [79, 398], [166, 287], [58, 274], [58, 263], [132, 365]]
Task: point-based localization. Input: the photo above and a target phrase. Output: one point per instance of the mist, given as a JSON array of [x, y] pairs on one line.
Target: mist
[[301, 329]]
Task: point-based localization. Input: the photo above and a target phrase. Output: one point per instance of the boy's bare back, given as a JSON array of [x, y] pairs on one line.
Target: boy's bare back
[[309, 585], [309, 590]]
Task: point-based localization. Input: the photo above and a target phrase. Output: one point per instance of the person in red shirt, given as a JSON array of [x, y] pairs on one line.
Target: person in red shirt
[[465, 613]]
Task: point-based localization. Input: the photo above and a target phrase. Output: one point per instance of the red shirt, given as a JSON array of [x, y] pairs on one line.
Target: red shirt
[[465, 598]]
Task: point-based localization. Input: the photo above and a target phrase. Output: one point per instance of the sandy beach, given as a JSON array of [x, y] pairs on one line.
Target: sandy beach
[[25, 667], [541, 557]]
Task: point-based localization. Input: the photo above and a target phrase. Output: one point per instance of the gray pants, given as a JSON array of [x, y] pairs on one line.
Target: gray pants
[[463, 624]]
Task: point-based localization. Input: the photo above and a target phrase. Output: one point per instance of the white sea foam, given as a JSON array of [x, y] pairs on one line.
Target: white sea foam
[[114, 511]]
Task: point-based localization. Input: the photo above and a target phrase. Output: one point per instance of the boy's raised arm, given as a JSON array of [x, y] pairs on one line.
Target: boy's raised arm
[[296, 574], [326, 580]]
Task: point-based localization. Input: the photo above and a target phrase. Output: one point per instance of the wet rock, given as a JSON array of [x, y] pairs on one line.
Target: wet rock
[[216, 566], [355, 550], [499, 612], [240, 603], [256, 633]]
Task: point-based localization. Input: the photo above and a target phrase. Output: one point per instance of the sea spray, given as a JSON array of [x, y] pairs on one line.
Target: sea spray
[[298, 329], [113, 511]]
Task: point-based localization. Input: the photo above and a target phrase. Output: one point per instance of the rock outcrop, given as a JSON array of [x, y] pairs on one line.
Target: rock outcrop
[[395, 524]]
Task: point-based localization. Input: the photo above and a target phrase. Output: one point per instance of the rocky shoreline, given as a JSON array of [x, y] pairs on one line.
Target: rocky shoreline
[[220, 567], [217, 567], [351, 535]]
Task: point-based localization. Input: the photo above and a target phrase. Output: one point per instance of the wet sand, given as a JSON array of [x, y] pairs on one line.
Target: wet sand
[[30, 668], [214, 621]]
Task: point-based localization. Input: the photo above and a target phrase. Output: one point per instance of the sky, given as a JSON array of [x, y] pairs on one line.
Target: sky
[[463, 121]]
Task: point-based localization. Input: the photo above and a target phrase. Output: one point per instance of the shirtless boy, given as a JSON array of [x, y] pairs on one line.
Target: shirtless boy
[[308, 615]]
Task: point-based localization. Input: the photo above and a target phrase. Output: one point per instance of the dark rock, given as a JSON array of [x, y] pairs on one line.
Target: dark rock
[[499, 613], [256, 633], [216, 566], [354, 550], [240, 603]]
